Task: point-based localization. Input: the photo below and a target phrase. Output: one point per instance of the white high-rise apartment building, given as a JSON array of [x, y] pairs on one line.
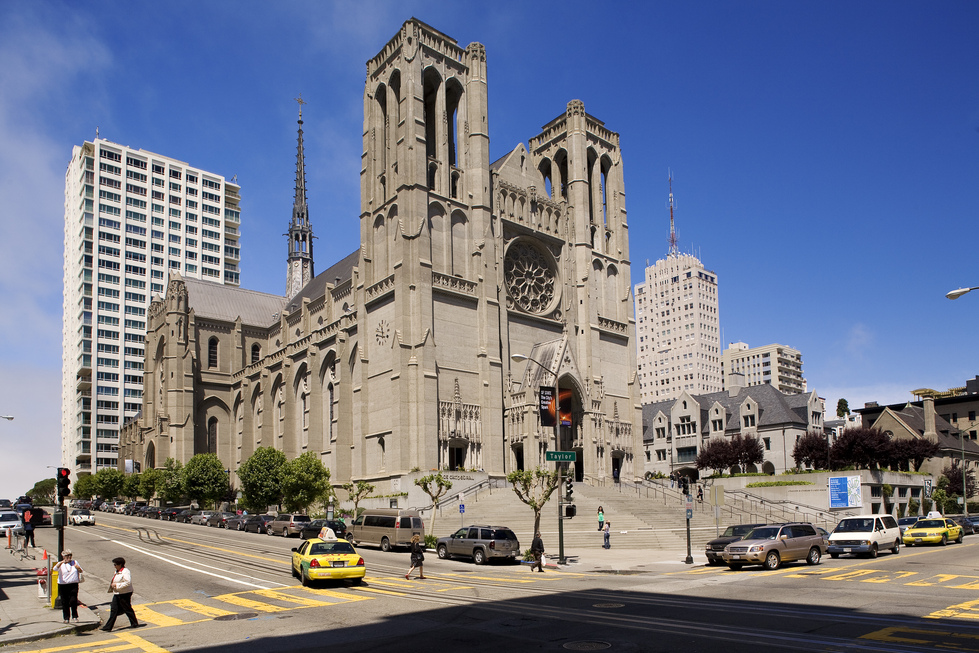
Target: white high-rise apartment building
[[131, 218], [774, 364], [677, 329]]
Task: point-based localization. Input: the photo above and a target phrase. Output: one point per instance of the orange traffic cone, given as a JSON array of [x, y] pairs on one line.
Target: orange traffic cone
[[45, 556]]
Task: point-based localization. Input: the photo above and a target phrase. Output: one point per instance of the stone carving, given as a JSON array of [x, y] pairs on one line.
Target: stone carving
[[529, 277]]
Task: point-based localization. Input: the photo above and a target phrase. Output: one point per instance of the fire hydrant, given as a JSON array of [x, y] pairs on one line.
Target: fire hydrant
[[42, 583]]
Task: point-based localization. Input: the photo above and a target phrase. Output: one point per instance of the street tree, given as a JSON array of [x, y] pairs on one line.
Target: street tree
[[171, 481], [811, 450], [909, 454], [435, 486], [205, 479], [43, 491], [954, 475], [261, 478], [85, 487], [746, 450], [149, 481], [130, 487], [304, 481], [534, 487], [716, 454], [863, 448], [108, 483], [356, 492]]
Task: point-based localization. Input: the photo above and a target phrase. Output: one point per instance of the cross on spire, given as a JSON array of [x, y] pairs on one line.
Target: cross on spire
[[301, 102]]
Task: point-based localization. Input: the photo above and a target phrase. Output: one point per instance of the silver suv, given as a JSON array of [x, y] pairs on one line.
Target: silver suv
[[481, 543], [773, 544], [287, 525]]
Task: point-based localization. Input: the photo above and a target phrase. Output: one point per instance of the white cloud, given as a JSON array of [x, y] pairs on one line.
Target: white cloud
[[858, 339]]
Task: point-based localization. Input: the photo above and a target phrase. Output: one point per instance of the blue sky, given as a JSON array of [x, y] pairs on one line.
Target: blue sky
[[824, 155]]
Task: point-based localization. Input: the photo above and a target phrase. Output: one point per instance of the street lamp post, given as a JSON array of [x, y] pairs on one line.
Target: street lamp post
[[519, 358], [965, 480], [958, 292]]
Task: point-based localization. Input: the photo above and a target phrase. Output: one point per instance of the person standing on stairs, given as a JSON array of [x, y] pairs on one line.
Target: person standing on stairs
[[601, 517]]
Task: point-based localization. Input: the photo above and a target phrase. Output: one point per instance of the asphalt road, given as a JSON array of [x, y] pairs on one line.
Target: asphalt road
[[205, 589]]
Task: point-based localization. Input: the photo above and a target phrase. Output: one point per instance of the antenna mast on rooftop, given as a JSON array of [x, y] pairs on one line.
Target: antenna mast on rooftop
[[674, 250]]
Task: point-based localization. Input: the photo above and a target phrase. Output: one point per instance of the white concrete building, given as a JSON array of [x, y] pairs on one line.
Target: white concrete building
[[775, 365], [131, 217], [678, 329]]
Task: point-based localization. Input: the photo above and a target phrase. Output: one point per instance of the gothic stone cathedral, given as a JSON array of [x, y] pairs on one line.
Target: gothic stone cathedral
[[398, 357]]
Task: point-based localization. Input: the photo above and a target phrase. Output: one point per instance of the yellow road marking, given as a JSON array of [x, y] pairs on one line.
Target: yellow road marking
[[497, 579], [235, 552], [234, 599], [141, 644], [336, 595], [971, 582], [377, 591], [288, 598], [457, 587], [199, 608], [918, 636], [967, 610], [149, 615]]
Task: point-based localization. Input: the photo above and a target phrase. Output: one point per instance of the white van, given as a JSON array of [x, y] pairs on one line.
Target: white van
[[865, 534]]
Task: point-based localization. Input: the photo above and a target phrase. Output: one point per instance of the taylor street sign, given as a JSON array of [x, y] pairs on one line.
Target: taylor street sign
[[560, 456]]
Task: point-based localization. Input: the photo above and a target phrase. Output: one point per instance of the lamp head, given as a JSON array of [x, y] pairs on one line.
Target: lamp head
[[519, 358], [955, 294]]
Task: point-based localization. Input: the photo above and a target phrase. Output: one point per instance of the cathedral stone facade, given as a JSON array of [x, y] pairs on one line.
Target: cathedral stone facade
[[398, 358]]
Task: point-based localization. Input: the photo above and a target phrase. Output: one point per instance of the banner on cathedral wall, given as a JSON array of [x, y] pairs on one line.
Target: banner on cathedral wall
[[564, 406], [547, 405]]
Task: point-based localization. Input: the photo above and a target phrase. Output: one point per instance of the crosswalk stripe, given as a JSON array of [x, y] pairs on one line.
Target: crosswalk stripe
[[142, 644], [288, 598], [234, 599], [149, 615], [336, 595], [377, 591], [200, 608]]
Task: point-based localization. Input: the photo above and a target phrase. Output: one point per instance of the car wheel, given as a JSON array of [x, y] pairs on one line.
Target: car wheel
[[443, 553], [385, 545], [356, 581], [268, 531], [772, 561], [305, 581], [873, 550], [479, 557], [240, 527], [897, 547], [944, 540], [294, 573], [735, 567], [814, 556], [961, 537], [834, 556]]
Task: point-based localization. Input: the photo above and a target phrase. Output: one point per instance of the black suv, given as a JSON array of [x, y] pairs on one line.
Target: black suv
[[731, 534]]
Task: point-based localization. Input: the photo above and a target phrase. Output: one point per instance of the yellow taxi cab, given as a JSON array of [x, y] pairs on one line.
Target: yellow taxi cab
[[934, 531], [327, 558]]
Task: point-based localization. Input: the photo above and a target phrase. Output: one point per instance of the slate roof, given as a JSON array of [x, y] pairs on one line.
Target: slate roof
[[221, 302], [316, 288], [948, 436], [774, 408]]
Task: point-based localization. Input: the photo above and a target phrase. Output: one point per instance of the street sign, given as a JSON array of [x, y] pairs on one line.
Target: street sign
[[690, 515], [560, 456], [462, 508]]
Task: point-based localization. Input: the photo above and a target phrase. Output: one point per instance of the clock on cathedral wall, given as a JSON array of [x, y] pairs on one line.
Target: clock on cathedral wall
[[530, 277], [383, 332]]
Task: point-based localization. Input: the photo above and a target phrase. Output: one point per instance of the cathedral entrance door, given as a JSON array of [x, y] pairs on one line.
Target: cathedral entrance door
[[457, 458]]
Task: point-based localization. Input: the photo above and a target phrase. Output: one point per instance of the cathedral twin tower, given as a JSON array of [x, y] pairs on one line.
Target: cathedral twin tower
[[398, 358]]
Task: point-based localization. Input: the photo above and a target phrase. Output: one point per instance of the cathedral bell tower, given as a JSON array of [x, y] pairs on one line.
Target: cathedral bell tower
[[300, 261]]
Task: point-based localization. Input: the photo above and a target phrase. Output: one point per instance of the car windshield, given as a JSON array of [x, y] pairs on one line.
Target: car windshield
[[763, 533], [930, 523], [80, 512], [855, 526], [328, 548]]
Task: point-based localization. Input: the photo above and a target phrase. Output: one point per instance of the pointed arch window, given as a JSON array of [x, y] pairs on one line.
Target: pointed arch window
[[256, 353], [212, 353]]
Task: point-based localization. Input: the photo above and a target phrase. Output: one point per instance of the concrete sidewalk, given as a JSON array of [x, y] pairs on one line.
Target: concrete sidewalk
[[23, 616]]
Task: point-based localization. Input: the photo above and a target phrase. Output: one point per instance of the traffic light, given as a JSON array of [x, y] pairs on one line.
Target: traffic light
[[568, 489], [64, 481], [570, 511]]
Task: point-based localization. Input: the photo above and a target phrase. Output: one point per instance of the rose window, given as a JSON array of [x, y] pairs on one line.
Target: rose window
[[529, 277]]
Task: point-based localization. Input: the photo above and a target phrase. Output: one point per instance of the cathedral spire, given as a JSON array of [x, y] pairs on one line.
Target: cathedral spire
[[300, 262]]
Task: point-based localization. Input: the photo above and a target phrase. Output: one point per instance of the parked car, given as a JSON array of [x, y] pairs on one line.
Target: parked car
[[287, 524], [715, 548], [315, 529], [773, 544], [6, 504], [904, 522], [386, 528], [933, 531], [481, 543], [257, 523], [167, 514], [121, 508], [965, 523], [218, 519], [318, 559], [82, 516], [235, 523], [153, 512], [10, 520], [865, 535], [184, 515], [201, 517], [133, 507]]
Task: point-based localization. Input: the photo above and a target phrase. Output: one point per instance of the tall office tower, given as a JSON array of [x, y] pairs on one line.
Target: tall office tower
[[131, 218], [775, 365], [677, 327]]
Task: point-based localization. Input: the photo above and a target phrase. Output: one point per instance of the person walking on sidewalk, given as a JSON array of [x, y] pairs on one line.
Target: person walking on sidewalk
[[69, 575], [601, 517], [417, 557], [607, 532], [121, 587], [537, 549]]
